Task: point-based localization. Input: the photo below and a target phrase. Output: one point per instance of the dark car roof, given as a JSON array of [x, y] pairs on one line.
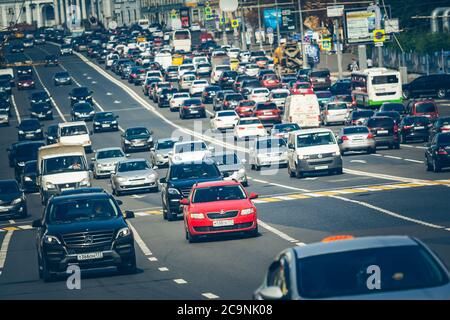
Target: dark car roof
[[8, 181], [78, 196]]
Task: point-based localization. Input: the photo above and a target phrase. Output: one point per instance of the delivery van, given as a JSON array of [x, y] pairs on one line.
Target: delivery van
[[302, 109]]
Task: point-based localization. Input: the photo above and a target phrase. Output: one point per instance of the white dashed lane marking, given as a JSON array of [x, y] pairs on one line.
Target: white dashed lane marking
[[210, 295]]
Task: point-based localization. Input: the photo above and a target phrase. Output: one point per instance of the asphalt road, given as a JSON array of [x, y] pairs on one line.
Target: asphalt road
[[389, 193]]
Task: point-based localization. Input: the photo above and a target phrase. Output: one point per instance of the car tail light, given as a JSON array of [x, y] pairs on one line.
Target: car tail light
[[445, 129], [395, 128], [407, 127], [370, 136], [326, 112], [344, 138], [260, 126], [442, 151], [241, 128]]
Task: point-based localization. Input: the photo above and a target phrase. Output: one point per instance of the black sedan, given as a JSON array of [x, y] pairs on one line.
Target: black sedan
[[93, 219], [442, 124], [414, 128], [24, 71], [51, 60], [80, 94], [137, 138], [28, 177], [164, 97], [437, 153], [82, 111], [30, 129], [39, 97], [18, 48], [41, 110], [62, 78], [13, 202], [24, 151], [105, 121]]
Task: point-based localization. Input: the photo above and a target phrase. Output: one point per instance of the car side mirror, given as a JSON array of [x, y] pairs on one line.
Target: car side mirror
[[253, 195], [225, 174], [184, 202], [290, 146], [129, 214], [163, 180], [119, 202], [271, 293], [37, 223]]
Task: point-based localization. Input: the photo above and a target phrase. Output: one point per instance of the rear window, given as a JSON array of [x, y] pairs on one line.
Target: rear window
[[337, 106], [393, 107], [192, 102], [443, 138], [353, 130], [416, 120], [320, 74], [235, 97], [384, 122], [425, 108], [324, 95], [384, 79], [222, 68], [266, 106]]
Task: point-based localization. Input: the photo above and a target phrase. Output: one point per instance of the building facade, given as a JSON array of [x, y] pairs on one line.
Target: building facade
[[36, 12]]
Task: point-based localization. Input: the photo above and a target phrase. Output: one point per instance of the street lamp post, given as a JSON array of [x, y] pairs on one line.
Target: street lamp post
[[278, 22], [259, 22], [302, 34]]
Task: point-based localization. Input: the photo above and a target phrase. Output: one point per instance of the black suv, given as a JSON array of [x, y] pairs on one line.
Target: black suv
[[80, 94], [22, 152], [82, 111], [437, 85], [179, 181], [105, 121], [51, 60], [86, 229], [13, 202], [24, 71], [164, 97], [384, 131], [39, 96]]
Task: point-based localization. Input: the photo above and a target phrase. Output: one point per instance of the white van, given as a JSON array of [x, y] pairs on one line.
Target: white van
[[75, 132], [164, 59], [61, 167], [197, 60], [313, 150], [302, 109]]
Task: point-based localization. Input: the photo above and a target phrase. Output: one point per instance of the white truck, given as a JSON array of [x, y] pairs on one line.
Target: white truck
[[7, 73], [164, 59], [302, 109], [61, 167]]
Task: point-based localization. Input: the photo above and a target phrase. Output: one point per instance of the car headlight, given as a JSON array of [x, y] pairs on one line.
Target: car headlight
[[21, 132], [336, 154], [88, 97], [28, 179], [92, 112], [303, 157], [17, 201], [248, 211], [151, 176], [150, 139], [127, 141], [38, 130], [50, 185], [121, 179], [73, 98], [21, 164], [85, 182], [114, 122], [124, 232], [77, 113], [197, 216], [51, 239], [173, 191], [97, 123]]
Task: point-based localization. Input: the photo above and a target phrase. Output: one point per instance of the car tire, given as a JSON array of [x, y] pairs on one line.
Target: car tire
[[190, 237], [129, 267], [47, 275], [339, 171], [290, 172], [428, 165], [298, 173], [436, 166], [391, 146], [170, 216], [253, 233], [441, 93]]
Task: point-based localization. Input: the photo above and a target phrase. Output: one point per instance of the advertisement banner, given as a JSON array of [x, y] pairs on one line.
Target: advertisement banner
[[286, 19]]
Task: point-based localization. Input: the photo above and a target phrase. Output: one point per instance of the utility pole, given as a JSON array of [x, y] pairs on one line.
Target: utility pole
[[278, 22], [376, 8], [305, 62], [243, 30], [259, 22], [338, 44]]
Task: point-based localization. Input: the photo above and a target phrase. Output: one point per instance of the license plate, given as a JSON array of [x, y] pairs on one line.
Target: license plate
[[65, 189], [30, 135], [194, 111], [223, 223], [382, 132], [267, 113], [419, 128], [321, 167], [105, 125], [89, 256]]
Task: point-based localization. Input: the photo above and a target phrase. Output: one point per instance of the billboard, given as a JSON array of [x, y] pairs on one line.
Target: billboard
[[286, 19], [360, 26]]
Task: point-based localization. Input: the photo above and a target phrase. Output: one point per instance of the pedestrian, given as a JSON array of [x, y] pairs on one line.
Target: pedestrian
[[369, 63]]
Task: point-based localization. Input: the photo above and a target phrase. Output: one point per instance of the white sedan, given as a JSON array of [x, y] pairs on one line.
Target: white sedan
[[249, 127], [190, 151], [223, 120], [198, 86], [251, 70], [177, 100], [259, 94]]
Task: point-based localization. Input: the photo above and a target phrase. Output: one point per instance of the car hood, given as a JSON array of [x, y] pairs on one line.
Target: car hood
[[10, 196], [65, 177], [271, 150], [135, 174], [137, 137], [188, 183], [318, 149], [86, 225], [109, 160]]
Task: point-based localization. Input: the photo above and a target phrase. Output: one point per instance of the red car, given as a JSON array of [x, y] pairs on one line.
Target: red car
[[219, 207], [25, 82], [270, 81], [245, 108], [426, 108], [302, 88], [267, 112]]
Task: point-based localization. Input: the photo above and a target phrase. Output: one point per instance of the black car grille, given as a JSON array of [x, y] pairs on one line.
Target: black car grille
[[5, 203], [320, 156], [88, 249], [227, 214], [88, 239], [225, 228]]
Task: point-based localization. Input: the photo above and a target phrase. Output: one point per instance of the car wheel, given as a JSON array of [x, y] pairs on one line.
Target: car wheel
[[257, 167], [391, 146], [47, 275], [190, 237], [339, 171], [441, 93], [128, 267], [290, 172], [170, 216], [298, 173], [428, 165], [436, 166]]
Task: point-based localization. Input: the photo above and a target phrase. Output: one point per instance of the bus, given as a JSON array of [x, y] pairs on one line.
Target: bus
[[372, 87], [181, 40]]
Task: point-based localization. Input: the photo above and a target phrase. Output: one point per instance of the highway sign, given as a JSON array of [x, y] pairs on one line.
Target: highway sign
[[335, 11]]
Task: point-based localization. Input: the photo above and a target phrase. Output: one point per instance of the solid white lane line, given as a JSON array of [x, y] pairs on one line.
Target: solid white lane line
[[415, 161], [390, 213], [180, 281], [392, 157], [140, 242], [4, 249], [279, 233], [210, 295], [16, 110], [414, 147], [26, 227], [382, 176]]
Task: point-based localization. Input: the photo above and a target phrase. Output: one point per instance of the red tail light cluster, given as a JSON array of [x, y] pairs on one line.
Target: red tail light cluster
[[442, 151], [395, 128], [370, 136], [344, 138]]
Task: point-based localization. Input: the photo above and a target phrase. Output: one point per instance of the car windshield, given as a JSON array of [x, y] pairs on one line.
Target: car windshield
[[266, 106], [190, 147], [356, 130], [226, 159], [346, 273], [287, 127], [30, 167], [324, 95], [320, 74], [443, 138], [181, 95], [8, 187], [104, 116], [247, 103], [280, 95], [270, 144], [383, 122], [416, 120], [425, 108], [222, 68], [64, 164], [28, 150], [82, 209], [219, 193], [226, 114], [315, 139], [393, 107], [166, 144], [303, 85], [106, 154], [260, 91], [194, 171], [61, 75], [74, 130], [137, 132], [29, 125], [337, 106], [235, 97], [133, 166]]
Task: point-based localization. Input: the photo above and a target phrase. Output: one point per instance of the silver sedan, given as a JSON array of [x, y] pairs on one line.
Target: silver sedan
[[356, 138], [134, 175], [105, 160], [159, 154], [231, 167], [270, 151]]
